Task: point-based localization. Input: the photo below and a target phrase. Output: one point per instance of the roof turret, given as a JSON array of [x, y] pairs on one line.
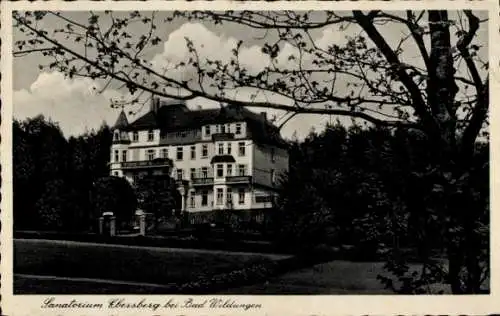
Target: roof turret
[[121, 122]]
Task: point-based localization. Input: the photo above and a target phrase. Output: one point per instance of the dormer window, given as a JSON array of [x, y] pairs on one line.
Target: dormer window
[[116, 135], [207, 130], [238, 129], [151, 135], [135, 136]]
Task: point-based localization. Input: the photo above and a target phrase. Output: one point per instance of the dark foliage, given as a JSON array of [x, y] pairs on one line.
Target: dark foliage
[[379, 192], [116, 195], [53, 176], [158, 195]]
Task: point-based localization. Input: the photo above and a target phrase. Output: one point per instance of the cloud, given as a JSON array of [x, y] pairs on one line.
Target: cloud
[[77, 106], [208, 45], [73, 103]]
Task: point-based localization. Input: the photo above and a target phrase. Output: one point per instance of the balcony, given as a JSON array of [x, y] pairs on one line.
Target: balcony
[[145, 164], [121, 141], [181, 182], [222, 136], [239, 180], [202, 181]]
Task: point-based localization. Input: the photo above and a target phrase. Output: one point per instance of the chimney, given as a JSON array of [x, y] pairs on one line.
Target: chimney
[[263, 115], [155, 104]]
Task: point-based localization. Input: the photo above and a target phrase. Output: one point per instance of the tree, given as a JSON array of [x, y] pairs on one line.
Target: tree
[[52, 205], [444, 93], [24, 215], [158, 195], [40, 164], [114, 194]]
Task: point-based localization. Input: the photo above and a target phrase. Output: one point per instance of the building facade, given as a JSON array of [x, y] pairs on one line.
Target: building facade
[[227, 158]]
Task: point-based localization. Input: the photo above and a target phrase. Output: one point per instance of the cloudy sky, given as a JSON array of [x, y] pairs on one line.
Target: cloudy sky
[[77, 107]]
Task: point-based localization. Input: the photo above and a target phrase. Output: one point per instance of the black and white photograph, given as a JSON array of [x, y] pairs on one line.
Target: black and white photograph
[[248, 151]]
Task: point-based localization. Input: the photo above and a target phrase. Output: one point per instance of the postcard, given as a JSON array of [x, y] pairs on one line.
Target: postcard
[[249, 158]]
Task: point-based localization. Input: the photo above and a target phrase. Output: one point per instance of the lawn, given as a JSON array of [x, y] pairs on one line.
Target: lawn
[[334, 277], [114, 262]]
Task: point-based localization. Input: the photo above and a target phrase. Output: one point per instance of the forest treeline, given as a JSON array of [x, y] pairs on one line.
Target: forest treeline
[[369, 187], [373, 188], [54, 177]]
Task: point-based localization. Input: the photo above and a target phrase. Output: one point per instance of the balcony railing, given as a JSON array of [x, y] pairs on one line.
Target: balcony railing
[[239, 179], [155, 163], [222, 136], [202, 181], [181, 182], [121, 141]]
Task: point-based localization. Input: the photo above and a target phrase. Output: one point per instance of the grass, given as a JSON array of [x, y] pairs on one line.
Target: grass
[[334, 277], [24, 285], [113, 262]]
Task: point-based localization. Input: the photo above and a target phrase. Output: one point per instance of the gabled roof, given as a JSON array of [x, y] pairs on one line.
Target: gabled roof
[[121, 122], [177, 117]]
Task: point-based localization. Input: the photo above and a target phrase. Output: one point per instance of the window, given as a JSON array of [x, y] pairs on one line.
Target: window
[[241, 148], [164, 153], [116, 135], [263, 199], [204, 151], [151, 135], [241, 196], [207, 130], [229, 170], [150, 154], [117, 156], [221, 128], [179, 155], [192, 202], [229, 148], [220, 196], [229, 196], [124, 156], [220, 170], [221, 148], [204, 172], [192, 173], [242, 170], [135, 137], [115, 173], [238, 129], [193, 152], [180, 174], [204, 198]]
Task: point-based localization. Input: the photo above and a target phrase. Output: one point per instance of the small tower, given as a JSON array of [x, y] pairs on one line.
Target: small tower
[[119, 147], [120, 134]]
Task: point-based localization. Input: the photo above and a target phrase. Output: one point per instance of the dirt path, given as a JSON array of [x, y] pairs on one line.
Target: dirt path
[[87, 280], [159, 249]]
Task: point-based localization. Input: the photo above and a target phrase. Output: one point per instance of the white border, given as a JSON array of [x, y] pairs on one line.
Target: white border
[[279, 305]]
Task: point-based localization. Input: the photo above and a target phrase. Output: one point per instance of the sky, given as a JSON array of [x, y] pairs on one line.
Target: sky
[[77, 107]]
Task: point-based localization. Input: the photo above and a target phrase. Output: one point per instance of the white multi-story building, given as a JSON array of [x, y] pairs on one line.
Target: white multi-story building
[[227, 158]]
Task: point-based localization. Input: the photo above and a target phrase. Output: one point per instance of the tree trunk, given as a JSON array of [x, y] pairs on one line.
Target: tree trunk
[[441, 87], [464, 244], [441, 90]]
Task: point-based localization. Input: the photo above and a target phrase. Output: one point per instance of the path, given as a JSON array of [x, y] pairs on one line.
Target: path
[[159, 249], [88, 280]]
